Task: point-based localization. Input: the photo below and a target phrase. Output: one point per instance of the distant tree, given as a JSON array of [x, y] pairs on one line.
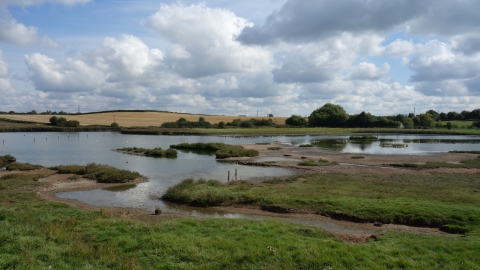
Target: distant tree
[[270, 115], [11, 112], [411, 115], [443, 116], [235, 123], [221, 125], [33, 112], [426, 120], [53, 120], [433, 114], [449, 125], [329, 115], [363, 120], [475, 114], [465, 115], [408, 122], [181, 120], [452, 115], [399, 118], [201, 119], [246, 124], [114, 124], [296, 120], [416, 121]]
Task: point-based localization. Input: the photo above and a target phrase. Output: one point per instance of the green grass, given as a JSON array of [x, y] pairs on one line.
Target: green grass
[[447, 201], [468, 164], [37, 234], [17, 166], [320, 162], [221, 150], [98, 172], [156, 152]]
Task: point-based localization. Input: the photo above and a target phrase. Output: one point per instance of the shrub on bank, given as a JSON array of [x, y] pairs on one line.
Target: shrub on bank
[[17, 166]]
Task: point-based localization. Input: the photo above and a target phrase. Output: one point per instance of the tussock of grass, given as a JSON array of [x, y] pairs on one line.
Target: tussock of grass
[[17, 166], [357, 157], [221, 150], [320, 162], [156, 152], [267, 143], [98, 172], [274, 148]]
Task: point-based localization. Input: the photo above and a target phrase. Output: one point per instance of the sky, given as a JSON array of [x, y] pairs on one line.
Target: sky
[[227, 57]]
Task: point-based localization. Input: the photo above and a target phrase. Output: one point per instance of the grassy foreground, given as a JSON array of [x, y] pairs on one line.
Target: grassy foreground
[[37, 234], [447, 201]]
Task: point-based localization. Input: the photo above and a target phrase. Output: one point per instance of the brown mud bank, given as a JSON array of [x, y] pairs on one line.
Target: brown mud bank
[[289, 156]]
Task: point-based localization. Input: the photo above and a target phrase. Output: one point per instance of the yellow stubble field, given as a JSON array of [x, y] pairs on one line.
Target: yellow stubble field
[[133, 119]]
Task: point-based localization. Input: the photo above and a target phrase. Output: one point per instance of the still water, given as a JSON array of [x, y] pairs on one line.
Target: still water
[[50, 149]]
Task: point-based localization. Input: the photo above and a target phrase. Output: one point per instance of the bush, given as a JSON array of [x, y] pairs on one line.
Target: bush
[[114, 124], [296, 120], [16, 166]]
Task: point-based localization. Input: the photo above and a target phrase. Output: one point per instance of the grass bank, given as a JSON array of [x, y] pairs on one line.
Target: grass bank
[[467, 164], [447, 201], [221, 150], [156, 152], [98, 172], [47, 235]]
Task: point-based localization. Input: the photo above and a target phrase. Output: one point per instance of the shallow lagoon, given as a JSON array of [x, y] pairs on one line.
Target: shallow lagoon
[[50, 149]]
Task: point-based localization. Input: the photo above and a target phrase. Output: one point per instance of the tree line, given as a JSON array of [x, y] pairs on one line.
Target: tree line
[[332, 115]]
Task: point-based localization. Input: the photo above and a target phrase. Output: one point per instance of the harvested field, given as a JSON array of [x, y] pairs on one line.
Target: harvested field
[[133, 119]]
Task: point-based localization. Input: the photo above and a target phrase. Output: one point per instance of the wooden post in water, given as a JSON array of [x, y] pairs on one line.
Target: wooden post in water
[[228, 179], [235, 174]]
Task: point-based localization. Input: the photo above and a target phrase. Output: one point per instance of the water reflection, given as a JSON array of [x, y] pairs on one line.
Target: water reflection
[[119, 188]]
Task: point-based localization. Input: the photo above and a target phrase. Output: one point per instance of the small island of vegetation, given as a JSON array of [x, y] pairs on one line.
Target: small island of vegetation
[[221, 150], [155, 152]]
